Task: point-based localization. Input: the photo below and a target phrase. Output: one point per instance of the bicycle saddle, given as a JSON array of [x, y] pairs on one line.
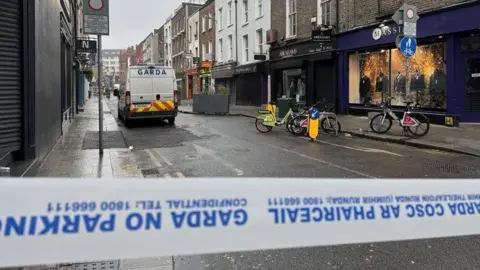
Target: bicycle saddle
[[408, 102], [271, 103]]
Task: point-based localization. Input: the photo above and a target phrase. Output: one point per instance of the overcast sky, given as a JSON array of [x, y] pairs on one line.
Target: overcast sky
[[131, 21]]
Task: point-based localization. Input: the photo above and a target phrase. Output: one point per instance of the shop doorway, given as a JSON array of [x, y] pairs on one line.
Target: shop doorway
[[472, 88], [325, 82]]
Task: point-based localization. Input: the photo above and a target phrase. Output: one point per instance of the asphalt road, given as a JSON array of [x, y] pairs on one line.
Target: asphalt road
[[206, 146]]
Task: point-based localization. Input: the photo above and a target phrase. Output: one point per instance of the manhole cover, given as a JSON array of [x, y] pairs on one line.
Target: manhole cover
[[148, 172], [112, 265]]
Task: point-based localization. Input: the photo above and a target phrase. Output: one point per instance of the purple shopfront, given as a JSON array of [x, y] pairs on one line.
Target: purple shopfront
[[444, 75]]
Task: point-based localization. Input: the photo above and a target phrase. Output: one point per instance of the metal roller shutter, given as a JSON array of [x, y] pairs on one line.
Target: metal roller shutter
[[10, 76]]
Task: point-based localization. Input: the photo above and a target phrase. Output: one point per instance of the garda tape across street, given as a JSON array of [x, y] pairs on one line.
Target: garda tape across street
[[45, 221]]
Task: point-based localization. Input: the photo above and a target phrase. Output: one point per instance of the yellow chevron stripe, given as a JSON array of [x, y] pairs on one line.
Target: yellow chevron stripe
[[152, 108]]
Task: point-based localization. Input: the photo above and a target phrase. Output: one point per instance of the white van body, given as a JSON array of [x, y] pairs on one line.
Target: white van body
[[150, 92]]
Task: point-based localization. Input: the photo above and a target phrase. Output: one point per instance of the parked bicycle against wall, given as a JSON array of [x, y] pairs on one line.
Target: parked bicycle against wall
[[410, 121], [328, 120], [267, 120]]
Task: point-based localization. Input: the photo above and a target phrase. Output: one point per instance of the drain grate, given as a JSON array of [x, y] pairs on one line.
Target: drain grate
[[111, 265]]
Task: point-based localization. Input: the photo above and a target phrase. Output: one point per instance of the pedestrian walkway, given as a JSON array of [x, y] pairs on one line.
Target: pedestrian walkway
[[459, 139], [464, 139], [77, 155]]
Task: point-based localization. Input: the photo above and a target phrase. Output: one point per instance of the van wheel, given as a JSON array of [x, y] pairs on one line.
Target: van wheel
[[171, 120], [127, 122]]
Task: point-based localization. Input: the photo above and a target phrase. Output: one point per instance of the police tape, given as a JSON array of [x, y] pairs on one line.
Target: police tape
[[45, 221]]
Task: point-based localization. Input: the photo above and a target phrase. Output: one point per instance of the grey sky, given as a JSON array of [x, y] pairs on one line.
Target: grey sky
[[132, 20]]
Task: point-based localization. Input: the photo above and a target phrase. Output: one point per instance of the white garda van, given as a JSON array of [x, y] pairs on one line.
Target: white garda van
[[150, 92]]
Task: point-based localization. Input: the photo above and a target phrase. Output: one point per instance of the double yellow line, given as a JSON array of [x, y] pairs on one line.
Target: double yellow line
[[159, 164]]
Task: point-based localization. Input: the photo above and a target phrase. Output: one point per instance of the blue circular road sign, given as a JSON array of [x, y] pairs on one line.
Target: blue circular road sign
[[408, 46], [314, 114]]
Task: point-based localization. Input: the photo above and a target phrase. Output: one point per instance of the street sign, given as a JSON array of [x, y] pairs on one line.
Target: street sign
[[398, 16], [85, 46], [408, 46], [407, 16], [96, 17]]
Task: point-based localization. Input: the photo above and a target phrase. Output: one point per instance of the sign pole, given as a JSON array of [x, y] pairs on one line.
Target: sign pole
[[100, 97]]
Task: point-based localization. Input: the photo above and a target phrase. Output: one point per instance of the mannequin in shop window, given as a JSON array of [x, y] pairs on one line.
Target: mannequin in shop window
[[300, 90], [382, 83], [417, 84], [438, 86], [399, 84], [365, 88]]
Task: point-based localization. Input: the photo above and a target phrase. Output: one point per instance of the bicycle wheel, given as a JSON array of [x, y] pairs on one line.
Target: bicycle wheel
[[381, 120], [261, 127], [295, 126], [424, 121], [330, 125]]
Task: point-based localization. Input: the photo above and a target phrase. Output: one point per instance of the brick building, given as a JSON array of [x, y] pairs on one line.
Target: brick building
[[441, 78], [206, 18], [299, 68], [161, 44], [180, 43]]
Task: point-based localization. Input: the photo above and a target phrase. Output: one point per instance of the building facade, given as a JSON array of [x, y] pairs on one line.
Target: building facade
[[207, 45], [444, 74], [251, 74], [193, 81], [301, 68], [111, 65], [180, 44], [167, 29], [37, 106], [161, 45], [226, 47]]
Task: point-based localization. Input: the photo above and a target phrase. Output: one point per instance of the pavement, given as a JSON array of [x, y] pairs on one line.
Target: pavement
[[463, 140], [219, 146]]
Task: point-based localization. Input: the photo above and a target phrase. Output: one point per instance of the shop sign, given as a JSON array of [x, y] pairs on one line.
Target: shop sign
[[204, 71], [378, 33], [320, 35], [301, 49], [246, 69]]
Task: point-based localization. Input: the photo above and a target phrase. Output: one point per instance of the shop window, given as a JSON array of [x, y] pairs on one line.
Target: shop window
[[293, 85], [373, 75]]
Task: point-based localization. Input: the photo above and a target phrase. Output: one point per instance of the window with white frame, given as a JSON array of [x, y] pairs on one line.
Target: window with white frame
[[259, 8], [210, 20], [204, 23], [245, 11], [325, 12], [220, 18], [220, 50], [210, 47], [245, 49], [291, 18], [229, 16], [230, 47], [259, 41], [204, 50], [196, 30], [190, 34]]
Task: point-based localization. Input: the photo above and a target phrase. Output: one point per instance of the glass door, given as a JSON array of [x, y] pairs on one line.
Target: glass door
[[472, 89]]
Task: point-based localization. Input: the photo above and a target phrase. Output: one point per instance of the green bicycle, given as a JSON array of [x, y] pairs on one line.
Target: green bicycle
[[266, 120]]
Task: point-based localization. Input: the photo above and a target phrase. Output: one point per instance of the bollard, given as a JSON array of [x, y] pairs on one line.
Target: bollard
[[4, 172]]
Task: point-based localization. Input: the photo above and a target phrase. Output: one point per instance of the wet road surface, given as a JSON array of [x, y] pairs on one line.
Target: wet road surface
[[206, 146]]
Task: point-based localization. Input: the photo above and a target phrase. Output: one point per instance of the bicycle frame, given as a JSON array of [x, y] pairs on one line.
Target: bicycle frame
[[406, 121], [270, 120]]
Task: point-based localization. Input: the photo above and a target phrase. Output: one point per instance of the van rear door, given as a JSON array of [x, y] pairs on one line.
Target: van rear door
[[164, 85], [140, 85]]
